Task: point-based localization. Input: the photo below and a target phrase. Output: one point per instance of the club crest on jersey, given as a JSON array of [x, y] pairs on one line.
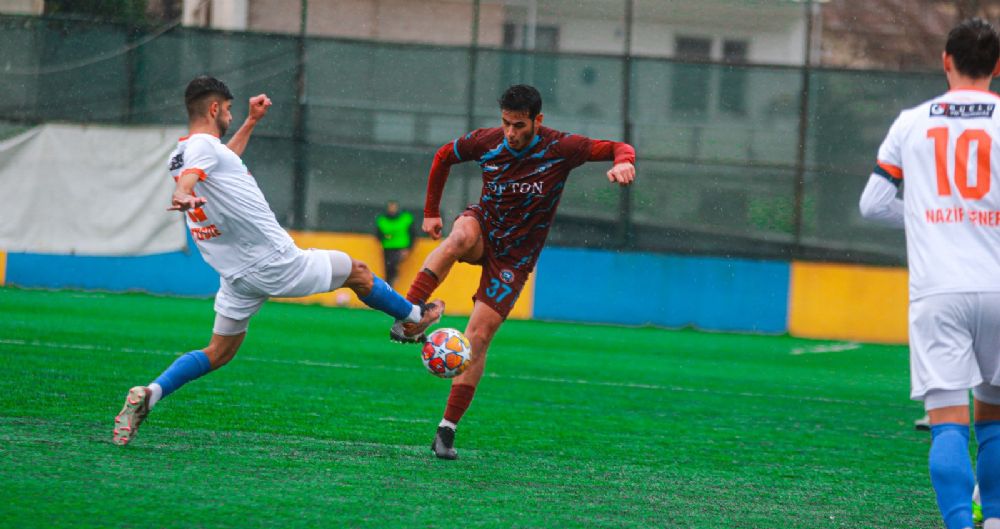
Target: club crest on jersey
[[962, 110], [177, 161], [506, 276]]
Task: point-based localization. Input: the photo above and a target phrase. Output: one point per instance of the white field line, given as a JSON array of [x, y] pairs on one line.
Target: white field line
[[528, 378], [826, 348]]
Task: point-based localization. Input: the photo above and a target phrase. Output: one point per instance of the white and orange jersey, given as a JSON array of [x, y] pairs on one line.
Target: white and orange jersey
[[235, 229], [947, 151]]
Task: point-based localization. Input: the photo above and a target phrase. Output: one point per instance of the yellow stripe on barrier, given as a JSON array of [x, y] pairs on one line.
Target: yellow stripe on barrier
[[848, 302], [3, 268], [456, 291]]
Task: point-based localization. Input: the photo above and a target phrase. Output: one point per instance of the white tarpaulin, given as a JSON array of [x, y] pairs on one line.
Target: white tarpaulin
[[89, 190]]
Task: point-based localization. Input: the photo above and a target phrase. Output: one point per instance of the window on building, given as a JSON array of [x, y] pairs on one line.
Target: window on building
[[693, 48], [538, 70], [733, 80], [690, 82], [516, 37]]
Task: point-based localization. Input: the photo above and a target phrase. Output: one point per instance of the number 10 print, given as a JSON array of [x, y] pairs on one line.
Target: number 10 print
[[962, 148]]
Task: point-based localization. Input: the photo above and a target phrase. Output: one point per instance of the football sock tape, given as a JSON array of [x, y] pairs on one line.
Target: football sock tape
[[988, 467], [384, 298], [951, 473], [185, 369]]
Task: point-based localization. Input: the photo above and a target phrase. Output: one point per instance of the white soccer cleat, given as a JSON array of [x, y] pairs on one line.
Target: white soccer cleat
[[134, 411], [405, 332]]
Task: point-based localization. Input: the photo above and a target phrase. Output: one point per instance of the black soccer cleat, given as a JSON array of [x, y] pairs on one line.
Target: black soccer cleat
[[444, 443]]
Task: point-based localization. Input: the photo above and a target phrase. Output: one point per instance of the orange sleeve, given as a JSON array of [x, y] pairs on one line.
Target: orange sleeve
[[201, 174]]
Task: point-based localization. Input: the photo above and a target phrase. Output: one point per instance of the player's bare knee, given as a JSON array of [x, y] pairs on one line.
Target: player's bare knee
[[361, 279], [987, 412], [220, 354], [480, 337], [987, 404], [457, 244]]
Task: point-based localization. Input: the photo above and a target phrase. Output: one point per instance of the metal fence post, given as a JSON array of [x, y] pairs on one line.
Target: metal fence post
[[470, 96], [299, 167], [803, 136], [626, 235], [131, 70]]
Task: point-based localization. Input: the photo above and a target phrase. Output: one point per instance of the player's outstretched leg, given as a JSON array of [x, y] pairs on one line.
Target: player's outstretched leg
[[373, 291], [464, 243], [403, 331], [189, 366], [483, 325], [140, 399]]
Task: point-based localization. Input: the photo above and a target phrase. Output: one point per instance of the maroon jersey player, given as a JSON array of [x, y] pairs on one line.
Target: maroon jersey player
[[525, 167]]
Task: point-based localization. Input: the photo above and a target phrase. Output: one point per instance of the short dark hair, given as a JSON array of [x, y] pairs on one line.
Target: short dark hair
[[522, 98], [200, 90], [974, 47]]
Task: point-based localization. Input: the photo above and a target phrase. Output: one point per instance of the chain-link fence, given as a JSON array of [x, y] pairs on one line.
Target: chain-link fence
[[723, 168]]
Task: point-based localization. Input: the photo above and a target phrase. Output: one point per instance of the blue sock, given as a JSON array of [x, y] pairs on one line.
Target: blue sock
[[387, 300], [988, 467], [185, 369], [951, 473]]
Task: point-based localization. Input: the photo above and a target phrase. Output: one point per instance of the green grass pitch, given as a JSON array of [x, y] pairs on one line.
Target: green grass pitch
[[321, 422]]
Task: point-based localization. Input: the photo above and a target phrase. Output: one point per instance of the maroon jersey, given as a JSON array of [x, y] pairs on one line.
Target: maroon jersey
[[521, 189]]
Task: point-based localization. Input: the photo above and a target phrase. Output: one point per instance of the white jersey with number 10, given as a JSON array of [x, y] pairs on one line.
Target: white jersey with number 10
[[947, 153]]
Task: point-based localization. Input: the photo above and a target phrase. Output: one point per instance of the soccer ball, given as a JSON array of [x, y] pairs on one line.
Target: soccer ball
[[446, 353]]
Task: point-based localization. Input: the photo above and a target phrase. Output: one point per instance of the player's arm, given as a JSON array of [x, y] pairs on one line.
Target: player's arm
[[184, 198], [623, 154], [879, 201], [258, 109], [445, 157]]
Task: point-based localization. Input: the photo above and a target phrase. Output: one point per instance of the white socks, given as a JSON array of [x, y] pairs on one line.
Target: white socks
[[449, 424], [156, 392], [415, 314], [991, 523]]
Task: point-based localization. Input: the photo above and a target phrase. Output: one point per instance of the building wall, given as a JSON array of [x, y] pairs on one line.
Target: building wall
[[22, 7], [446, 22], [775, 33]]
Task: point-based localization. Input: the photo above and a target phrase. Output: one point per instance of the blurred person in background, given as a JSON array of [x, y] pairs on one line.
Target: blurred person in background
[[396, 232]]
